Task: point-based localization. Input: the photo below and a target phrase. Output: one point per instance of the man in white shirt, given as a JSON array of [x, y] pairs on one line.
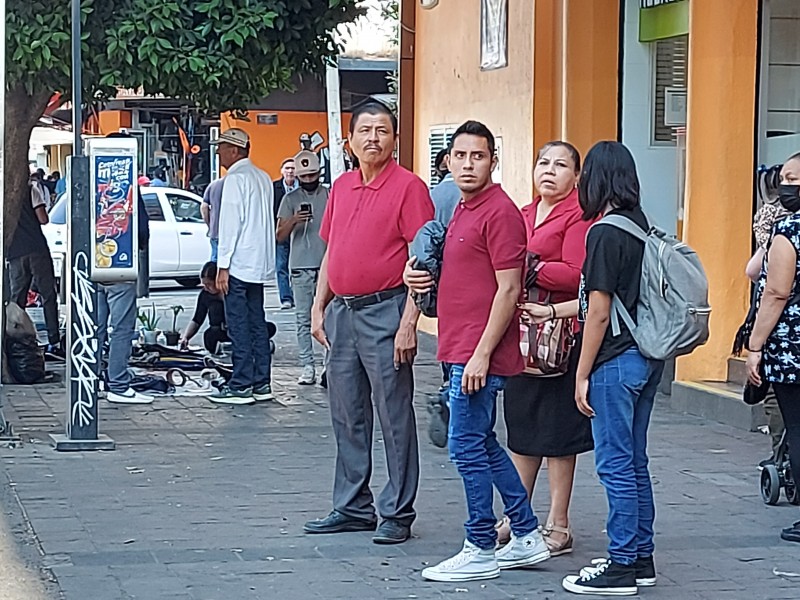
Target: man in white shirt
[[246, 261]]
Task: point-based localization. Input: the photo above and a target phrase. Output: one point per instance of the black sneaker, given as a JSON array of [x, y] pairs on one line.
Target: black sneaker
[[607, 579], [644, 566], [791, 534]]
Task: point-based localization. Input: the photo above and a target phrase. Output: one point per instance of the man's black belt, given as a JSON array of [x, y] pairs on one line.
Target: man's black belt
[[357, 302]]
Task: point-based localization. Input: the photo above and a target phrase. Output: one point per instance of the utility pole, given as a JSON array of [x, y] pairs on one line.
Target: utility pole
[[83, 353], [335, 141]]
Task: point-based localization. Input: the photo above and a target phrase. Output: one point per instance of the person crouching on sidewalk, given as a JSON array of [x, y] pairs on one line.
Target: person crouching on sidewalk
[[479, 337]]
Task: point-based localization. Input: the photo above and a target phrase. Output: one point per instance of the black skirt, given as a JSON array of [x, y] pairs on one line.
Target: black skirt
[[541, 416]]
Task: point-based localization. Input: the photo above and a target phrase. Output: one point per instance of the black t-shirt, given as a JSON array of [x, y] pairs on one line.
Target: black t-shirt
[[613, 265], [28, 237], [211, 306]]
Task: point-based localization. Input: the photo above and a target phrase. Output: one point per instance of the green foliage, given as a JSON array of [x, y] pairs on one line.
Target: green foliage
[[176, 310], [148, 318], [215, 54]]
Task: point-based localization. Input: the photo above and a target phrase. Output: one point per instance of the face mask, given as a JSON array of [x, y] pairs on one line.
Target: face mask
[[789, 197], [309, 186]]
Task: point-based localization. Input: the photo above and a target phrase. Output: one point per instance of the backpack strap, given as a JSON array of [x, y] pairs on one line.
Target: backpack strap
[[625, 224], [618, 311]]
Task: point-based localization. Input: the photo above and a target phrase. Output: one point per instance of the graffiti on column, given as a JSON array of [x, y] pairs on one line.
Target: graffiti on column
[[84, 345]]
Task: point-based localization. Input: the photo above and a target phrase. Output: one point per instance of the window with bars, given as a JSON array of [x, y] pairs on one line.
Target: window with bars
[[670, 80], [654, 3], [438, 138]]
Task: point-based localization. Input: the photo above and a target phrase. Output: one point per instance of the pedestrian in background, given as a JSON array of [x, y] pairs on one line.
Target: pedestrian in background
[[282, 186], [479, 338], [299, 219], [212, 197], [445, 194], [774, 350], [246, 262], [30, 262], [364, 313]]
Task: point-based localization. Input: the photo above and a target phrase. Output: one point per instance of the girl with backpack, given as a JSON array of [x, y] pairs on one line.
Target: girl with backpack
[[615, 383]]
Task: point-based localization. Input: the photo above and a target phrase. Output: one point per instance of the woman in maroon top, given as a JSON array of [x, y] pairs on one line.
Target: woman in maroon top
[[541, 417]]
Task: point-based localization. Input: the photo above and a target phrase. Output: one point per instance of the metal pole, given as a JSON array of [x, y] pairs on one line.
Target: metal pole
[[77, 88], [84, 355], [335, 141]]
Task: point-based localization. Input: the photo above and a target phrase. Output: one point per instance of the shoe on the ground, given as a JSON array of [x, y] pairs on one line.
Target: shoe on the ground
[[557, 548], [228, 395], [287, 305], [471, 564], [791, 534], [392, 532], [606, 579], [308, 376], [55, 352], [523, 551], [337, 522], [263, 393], [323, 380], [644, 567], [129, 396]]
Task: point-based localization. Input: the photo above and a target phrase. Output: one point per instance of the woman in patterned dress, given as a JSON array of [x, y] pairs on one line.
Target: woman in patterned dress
[[774, 346]]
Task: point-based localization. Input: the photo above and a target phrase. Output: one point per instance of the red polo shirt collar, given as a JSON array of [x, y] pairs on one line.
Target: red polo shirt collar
[[489, 192], [377, 183]]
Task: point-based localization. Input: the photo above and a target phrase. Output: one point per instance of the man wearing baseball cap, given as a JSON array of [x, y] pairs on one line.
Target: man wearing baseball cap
[[299, 218], [246, 262]]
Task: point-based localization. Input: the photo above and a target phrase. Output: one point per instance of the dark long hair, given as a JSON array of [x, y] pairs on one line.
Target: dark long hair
[[209, 271], [608, 179]]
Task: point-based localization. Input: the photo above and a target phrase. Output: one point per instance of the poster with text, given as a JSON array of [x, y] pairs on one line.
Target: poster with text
[[114, 195]]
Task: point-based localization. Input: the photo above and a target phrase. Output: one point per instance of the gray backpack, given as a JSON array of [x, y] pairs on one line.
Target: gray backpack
[[673, 311]]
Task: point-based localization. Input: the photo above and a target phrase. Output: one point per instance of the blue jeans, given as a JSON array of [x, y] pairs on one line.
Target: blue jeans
[[282, 268], [247, 329], [622, 392], [214, 249], [116, 307], [482, 462]]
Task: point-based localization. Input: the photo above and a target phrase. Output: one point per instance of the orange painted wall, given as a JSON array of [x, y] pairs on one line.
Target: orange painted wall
[[108, 121], [270, 144], [720, 131]]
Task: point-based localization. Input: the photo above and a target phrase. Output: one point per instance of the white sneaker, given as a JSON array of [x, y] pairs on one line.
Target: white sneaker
[[471, 564], [308, 376], [523, 551], [129, 396]]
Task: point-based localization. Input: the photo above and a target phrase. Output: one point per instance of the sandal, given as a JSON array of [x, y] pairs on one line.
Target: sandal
[[503, 529], [556, 548]]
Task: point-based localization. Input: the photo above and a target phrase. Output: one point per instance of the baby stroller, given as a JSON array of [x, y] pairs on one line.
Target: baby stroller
[[779, 475]]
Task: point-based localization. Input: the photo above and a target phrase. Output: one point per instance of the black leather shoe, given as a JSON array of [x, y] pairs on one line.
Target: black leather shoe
[[337, 522], [791, 534], [392, 532]]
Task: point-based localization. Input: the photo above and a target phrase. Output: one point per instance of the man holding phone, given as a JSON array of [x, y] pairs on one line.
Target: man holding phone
[[299, 218]]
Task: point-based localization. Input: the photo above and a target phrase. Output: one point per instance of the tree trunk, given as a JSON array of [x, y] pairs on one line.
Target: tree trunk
[[22, 114]]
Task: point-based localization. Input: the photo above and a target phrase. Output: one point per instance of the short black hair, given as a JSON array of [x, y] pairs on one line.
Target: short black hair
[[209, 271], [438, 162], [474, 128], [608, 179], [573, 152], [372, 107]]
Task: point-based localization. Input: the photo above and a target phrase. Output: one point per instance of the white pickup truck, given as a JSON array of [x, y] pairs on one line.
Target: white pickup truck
[[179, 245]]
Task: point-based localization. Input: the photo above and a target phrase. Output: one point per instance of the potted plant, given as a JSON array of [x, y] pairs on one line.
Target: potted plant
[[149, 320], [174, 335]]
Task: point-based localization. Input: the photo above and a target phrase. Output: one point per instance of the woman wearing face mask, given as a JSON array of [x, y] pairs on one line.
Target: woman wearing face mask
[[541, 417], [774, 347]]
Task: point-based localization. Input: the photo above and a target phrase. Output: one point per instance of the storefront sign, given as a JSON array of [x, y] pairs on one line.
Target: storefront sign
[[662, 19]]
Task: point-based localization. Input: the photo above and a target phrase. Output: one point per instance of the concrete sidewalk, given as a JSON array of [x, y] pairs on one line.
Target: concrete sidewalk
[[200, 502]]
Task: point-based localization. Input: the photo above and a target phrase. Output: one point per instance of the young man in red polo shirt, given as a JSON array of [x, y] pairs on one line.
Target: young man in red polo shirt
[[479, 288], [363, 309]]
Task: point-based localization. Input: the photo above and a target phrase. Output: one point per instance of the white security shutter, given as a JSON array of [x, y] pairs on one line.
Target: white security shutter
[[438, 138]]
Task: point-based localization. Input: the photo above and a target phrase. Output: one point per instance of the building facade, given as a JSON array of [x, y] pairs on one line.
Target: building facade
[[703, 92]]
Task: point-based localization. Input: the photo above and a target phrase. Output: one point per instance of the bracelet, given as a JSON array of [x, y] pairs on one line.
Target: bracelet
[[552, 312], [760, 350]]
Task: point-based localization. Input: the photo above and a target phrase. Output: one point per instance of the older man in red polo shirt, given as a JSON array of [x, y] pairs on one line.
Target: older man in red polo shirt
[[480, 285], [363, 313]]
